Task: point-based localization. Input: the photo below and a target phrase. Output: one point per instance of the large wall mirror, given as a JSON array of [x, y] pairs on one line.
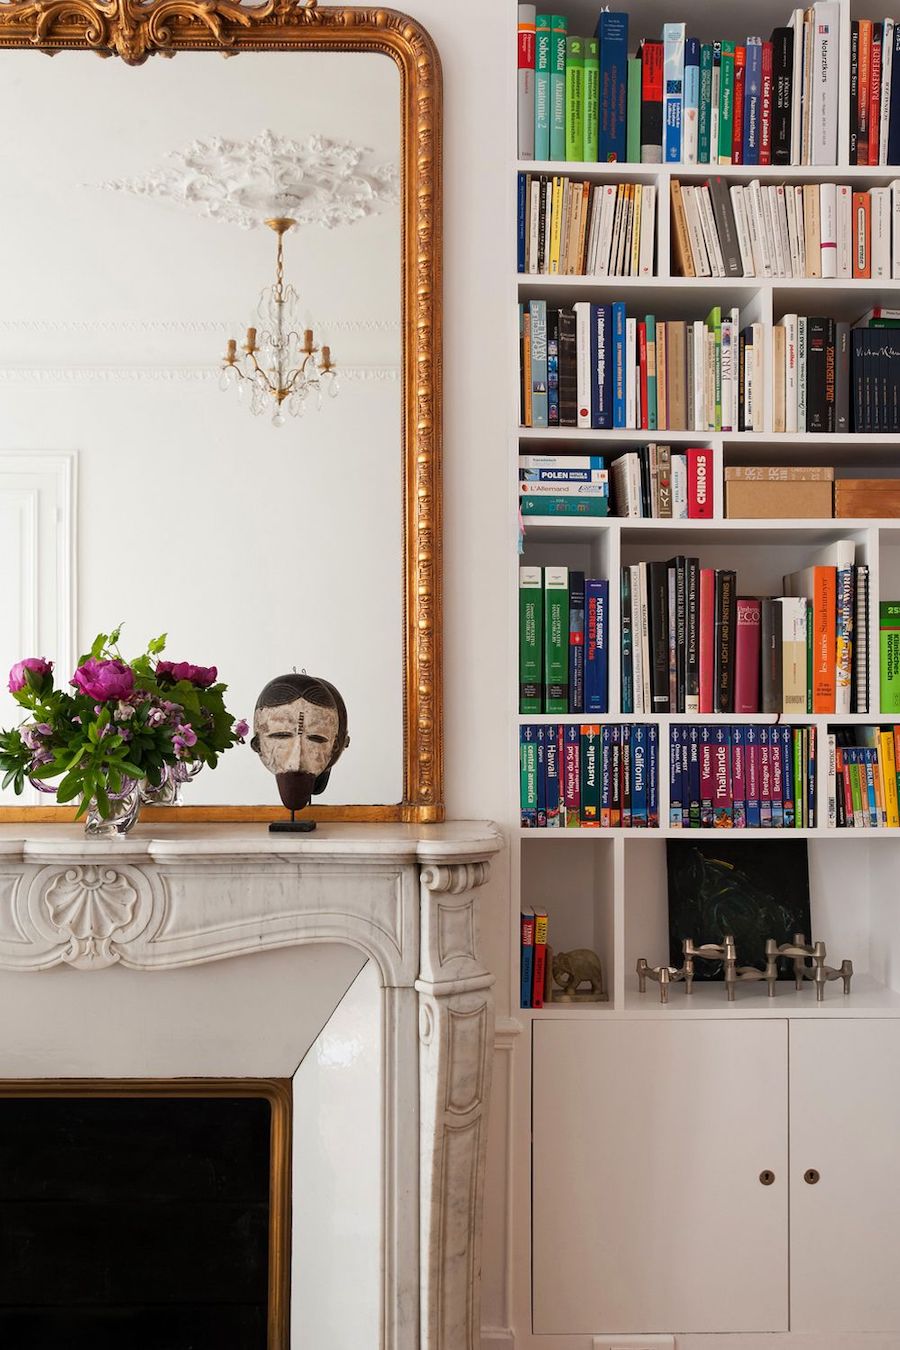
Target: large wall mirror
[[134, 487]]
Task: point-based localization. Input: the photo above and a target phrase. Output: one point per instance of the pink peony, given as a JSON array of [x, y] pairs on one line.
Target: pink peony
[[201, 676], [104, 680], [38, 665], [241, 729]]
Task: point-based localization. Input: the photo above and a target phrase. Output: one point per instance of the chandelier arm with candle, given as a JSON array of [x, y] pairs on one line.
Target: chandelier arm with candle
[[277, 364]]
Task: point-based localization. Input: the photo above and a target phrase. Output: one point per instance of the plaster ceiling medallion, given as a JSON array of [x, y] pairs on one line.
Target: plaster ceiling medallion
[[316, 182]]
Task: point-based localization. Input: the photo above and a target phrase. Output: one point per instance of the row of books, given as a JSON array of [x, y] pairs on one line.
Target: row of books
[[786, 230], [742, 777], [874, 94], [831, 376], [692, 644], [592, 366], [563, 485], [862, 778], [572, 228], [680, 100], [563, 641], [589, 777], [657, 482], [534, 932]]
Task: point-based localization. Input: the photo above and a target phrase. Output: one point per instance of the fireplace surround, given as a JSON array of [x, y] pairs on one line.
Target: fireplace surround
[[174, 898]]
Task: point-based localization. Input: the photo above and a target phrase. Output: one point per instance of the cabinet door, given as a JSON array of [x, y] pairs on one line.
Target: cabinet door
[[649, 1141], [845, 1124]]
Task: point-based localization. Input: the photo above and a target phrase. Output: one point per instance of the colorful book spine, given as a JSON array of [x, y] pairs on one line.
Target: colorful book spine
[[558, 34], [738, 782], [707, 778], [596, 664], [528, 768], [704, 103], [551, 771], [673, 90], [540, 958], [540, 736], [576, 641], [590, 776], [556, 639], [590, 142], [889, 652], [526, 931], [726, 102], [722, 798], [575, 98], [690, 118], [542, 42], [615, 78], [677, 784], [572, 776], [653, 775], [531, 640], [525, 51]]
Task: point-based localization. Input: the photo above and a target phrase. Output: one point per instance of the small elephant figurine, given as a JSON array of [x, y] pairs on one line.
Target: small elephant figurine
[[572, 969]]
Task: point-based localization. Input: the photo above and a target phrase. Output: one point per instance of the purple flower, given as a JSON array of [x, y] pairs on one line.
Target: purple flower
[[104, 680], [40, 757], [241, 729], [38, 665], [185, 737], [30, 738], [124, 711], [173, 671], [45, 728]]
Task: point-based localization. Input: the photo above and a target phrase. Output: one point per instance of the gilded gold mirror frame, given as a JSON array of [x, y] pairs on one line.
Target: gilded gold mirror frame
[[135, 31]]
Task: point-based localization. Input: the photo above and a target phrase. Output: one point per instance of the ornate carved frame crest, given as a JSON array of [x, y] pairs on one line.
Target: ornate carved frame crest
[[137, 29]]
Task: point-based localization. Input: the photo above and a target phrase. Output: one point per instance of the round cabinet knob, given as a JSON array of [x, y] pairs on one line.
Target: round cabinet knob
[[810, 1176], [767, 1177]]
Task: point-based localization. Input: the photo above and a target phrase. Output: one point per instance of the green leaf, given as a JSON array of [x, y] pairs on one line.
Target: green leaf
[[102, 800], [157, 644], [8, 778], [69, 788], [77, 757]]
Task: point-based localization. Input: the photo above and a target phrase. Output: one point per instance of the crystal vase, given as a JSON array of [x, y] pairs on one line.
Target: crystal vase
[[124, 809], [168, 791]]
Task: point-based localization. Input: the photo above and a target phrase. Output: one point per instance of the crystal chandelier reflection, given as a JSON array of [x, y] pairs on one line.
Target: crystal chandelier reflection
[[277, 363]]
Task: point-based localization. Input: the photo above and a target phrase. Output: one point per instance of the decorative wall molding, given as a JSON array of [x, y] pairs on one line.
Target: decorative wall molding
[[185, 898], [317, 181], [160, 374]]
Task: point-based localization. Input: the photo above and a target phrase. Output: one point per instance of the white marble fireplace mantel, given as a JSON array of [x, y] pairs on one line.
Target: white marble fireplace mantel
[[175, 896]]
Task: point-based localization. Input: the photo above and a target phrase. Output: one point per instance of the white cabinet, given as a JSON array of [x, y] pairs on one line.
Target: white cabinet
[[649, 1141], [845, 1125]]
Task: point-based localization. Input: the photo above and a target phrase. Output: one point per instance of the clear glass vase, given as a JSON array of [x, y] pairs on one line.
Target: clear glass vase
[[124, 809], [168, 792]]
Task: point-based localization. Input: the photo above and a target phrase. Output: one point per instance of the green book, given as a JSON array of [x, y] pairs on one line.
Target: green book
[[531, 639], [558, 29], [591, 100], [726, 102], [889, 655], [633, 112], [714, 325], [575, 98], [705, 103], [556, 639], [564, 506], [590, 775], [542, 35], [528, 775]]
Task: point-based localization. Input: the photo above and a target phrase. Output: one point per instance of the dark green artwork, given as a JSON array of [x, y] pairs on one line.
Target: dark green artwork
[[753, 890]]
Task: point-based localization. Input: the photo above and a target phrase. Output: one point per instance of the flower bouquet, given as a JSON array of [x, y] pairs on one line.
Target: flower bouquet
[[126, 730]]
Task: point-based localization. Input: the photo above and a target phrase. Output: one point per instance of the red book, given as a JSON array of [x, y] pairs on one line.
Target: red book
[[700, 484], [737, 121], [540, 958], [765, 106], [875, 68], [862, 105], [651, 53], [842, 775], [707, 636], [642, 420], [746, 657]]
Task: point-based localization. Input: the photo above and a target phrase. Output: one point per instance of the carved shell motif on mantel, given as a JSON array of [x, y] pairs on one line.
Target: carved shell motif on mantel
[[89, 907]]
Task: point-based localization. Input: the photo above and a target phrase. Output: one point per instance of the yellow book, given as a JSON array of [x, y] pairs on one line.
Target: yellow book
[[636, 232], [888, 766], [556, 224]]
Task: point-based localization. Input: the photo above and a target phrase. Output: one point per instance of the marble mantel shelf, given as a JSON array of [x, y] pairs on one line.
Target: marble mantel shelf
[[177, 896]]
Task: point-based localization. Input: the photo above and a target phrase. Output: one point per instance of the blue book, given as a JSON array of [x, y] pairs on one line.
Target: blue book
[[541, 772], [605, 773], [627, 775], [652, 775], [685, 779], [596, 647], [576, 642], [787, 777], [526, 921], [594, 476], [765, 778], [539, 400], [673, 90], [601, 365], [618, 335], [542, 32], [690, 119], [639, 776], [707, 816], [694, 777], [751, 777], [810, 741], [553, 367], [612, 30], [521, 222], [738, 778], [551, 769], [676, 778], [893, 147], [870, 764], [752, 100], [776, 777]]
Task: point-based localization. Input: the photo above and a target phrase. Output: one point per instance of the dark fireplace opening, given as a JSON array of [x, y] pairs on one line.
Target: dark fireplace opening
[[149, 1217]]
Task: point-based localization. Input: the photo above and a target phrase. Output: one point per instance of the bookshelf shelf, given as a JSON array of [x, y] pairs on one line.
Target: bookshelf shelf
[[661, 173]]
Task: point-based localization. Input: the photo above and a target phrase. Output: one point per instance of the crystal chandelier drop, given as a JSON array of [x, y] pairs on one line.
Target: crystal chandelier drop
[[277, 363]]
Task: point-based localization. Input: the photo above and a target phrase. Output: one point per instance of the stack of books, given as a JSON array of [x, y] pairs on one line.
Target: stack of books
[[742, 777], [563, 485], [563, 641], [862, 778], [592, 366], [570, 228], [829, 376], [874, 96], [589, 777], [678, 100], [785, 230], [657, 482], [534, 931], [692, 644]]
